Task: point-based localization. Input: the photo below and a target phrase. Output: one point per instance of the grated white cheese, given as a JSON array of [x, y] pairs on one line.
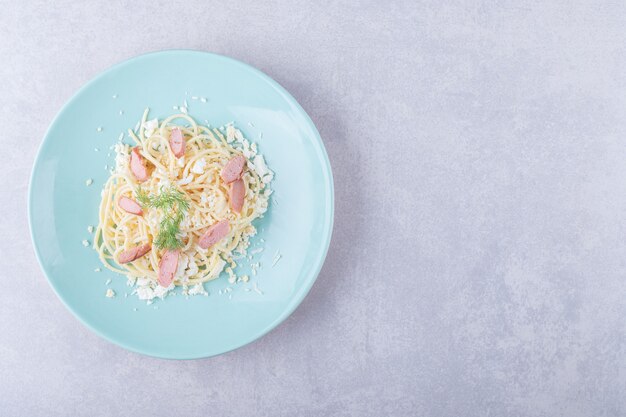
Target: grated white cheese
[[183, 109], [114, 96], [230, 133], [90, 229], [99, 129], [198, 167], [110, 293], [261, 169], [203, 99], [185, 180], [97, 270], [149, 127], [198, 289], [88, 182], [161, 292], [85, 243], [108, 281]]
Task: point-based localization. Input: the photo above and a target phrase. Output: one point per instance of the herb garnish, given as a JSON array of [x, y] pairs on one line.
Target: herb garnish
[[173, 204]]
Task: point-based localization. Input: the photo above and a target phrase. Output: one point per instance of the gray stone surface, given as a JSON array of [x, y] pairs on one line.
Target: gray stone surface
[[478, 261]]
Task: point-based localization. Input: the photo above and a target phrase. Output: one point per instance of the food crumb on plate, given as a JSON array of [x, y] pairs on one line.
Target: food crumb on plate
[[85, 242], [108, 281], [89, 182], [90, 229], [99, 129], [110, 293], [97, 270]]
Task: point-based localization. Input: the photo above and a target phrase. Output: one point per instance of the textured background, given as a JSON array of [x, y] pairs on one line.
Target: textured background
[[478, 261]]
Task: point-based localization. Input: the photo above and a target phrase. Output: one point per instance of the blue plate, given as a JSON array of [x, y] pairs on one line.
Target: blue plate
[[298, 224]]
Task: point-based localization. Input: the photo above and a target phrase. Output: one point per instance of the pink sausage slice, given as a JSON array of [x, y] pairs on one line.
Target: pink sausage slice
[[233, 169], [133, 253], [214, 234], [177, 142], [130, 206], [137, 166], [237, 193], [168, 267]]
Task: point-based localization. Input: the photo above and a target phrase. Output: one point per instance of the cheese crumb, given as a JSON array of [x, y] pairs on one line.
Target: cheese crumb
[[108, 281], [149, 127], [88, 182], [110, 293], [198, 289], [245, 278], [85, 242], [99, 129], [198, 167], [185, 180], [97, 270], [90, 229]]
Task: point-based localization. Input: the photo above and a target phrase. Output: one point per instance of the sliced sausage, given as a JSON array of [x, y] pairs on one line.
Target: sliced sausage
[[138, 166], [177, 142], [130, 206], [214, 234], [233, 169], [131, 254], [168, 267], [237, 193]]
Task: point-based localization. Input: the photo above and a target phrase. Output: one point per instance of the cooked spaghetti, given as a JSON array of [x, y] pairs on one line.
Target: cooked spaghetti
[[178, 198]]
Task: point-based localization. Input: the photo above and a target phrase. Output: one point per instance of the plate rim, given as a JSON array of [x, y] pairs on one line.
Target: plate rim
[[302, 292]]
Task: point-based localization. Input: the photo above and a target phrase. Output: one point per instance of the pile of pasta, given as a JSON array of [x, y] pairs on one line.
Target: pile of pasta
[[126, 231]]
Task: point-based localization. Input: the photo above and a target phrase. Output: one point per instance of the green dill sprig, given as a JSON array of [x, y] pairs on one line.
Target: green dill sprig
[[174, 205]]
